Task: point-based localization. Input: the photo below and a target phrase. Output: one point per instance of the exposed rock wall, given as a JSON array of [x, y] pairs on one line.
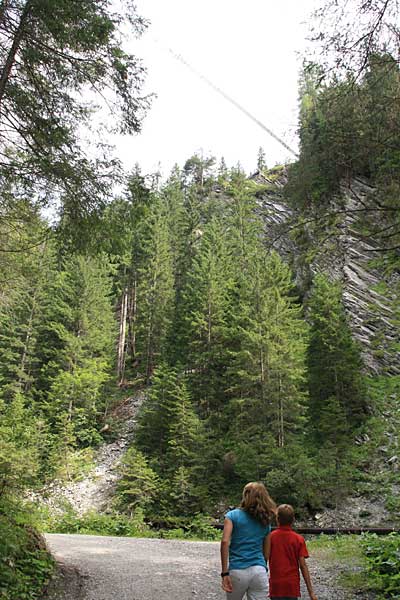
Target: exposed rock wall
[[335, 246]]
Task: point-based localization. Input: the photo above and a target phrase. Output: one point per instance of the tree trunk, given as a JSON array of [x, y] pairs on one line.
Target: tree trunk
[[5, 74], [209, 319], [122, 337], [149, 349], [149, 346], [281, 435], [262, 372], [3, 10], [25, 348], [132, 318]]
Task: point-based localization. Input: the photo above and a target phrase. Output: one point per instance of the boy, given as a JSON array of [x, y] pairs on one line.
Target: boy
[[286, 551]]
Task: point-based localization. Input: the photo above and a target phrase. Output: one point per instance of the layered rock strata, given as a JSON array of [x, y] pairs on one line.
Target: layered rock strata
[[332, 242]]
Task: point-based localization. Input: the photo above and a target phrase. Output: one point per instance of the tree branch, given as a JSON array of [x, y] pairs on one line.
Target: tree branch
[[14, 48]]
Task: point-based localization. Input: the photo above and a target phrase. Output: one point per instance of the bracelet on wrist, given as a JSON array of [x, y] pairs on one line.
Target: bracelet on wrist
[[225, 574]]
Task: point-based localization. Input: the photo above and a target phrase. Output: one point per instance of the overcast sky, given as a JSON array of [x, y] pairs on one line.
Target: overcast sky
[[251, 50]]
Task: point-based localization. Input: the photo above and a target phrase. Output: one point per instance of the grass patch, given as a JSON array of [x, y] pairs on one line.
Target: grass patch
[[366, 563], [336, 547], [345, 554]]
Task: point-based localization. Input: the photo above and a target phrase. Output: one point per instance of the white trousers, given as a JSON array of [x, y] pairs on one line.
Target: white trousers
[[253, 581]]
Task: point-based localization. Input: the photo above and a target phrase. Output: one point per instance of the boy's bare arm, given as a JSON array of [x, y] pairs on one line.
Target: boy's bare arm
[[306, 576]]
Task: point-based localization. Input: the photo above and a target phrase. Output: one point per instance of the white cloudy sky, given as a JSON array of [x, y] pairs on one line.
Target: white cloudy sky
[[252, 50]]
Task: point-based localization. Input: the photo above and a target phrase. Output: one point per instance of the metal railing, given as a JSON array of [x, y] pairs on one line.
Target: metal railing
[[345, 530], [338, 530]]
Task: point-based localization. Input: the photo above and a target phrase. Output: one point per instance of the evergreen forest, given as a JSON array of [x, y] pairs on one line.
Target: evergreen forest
[[116, 284]]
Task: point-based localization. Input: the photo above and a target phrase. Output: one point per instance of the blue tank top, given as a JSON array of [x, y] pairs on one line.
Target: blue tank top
[[246, 547]]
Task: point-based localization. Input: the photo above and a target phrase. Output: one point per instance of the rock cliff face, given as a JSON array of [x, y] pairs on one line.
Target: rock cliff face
[[333, 244]]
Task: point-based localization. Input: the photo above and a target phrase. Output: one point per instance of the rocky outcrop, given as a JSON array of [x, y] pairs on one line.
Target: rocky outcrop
[[334, 244]]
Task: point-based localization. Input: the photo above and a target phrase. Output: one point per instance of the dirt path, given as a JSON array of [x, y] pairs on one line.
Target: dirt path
[[148, 569]]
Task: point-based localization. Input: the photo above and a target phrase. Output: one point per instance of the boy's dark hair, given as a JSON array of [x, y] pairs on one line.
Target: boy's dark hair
[[285, 514]]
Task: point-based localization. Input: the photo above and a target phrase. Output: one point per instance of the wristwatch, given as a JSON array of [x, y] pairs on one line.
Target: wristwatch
[[225, 574]]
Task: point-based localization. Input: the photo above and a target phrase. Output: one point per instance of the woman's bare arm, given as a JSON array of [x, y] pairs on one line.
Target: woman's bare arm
[[267, 547], [225, 541]]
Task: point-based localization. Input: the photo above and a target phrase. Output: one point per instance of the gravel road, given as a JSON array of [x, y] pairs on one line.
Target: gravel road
[[116, 568]]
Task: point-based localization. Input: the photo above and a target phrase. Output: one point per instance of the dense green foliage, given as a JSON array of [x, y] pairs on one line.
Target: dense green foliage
[[25, 566], [56, 319], [241, 386], [338, 400], [350, 128], [58, 58], [199, 309], [383, 564], [367, 565], [197, 527], [172, 288], [93, 523], [347, 129]]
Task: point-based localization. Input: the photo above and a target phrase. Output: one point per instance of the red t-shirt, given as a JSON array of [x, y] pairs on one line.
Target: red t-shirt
[[287, 547]]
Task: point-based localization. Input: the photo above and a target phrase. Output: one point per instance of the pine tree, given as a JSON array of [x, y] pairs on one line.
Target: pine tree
[[81, 322], [138, 485], [153, 425], [170, 435], [51, 52], [21, 305], [261, 164], [184, 430], [20, 440], [243, 222], [334, 364], [155, 293], [129, 229], [222, 171], [208, 296], [268, 371], [336, 389], [187, 200]]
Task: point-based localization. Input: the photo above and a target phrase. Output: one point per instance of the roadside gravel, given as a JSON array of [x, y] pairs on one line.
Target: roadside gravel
[[114, 568]]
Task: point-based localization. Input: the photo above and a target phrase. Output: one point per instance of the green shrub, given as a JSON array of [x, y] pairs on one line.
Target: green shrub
[[183, 528], [25, 565], [93, 523], [392, 504], [174, 534], [76, 464], [383, 563], [202, 528]]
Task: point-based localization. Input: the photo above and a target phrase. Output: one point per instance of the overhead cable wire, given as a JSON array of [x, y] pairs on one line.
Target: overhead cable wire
[[221, 92]]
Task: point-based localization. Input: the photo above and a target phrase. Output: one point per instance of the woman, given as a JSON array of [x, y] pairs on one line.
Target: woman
[[244, 539]]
